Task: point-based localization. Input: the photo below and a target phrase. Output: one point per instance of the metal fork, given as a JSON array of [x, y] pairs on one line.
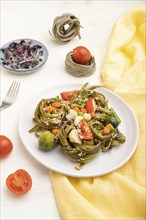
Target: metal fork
[[11, 95]]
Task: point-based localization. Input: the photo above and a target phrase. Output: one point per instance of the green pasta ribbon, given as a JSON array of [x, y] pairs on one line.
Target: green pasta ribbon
[[84, 150]]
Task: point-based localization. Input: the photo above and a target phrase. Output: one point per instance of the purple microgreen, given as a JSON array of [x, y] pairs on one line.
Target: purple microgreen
[[22, 55]]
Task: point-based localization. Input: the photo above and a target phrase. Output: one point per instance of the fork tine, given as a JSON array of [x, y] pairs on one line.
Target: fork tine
[[11, 88], [11, 95], [13, 91], [16, 89]]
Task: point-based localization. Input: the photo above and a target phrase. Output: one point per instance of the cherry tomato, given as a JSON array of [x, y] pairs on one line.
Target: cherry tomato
[[81, 55], [66, 96], [84, 131], [19, 182], [6, 146], [90, 105]]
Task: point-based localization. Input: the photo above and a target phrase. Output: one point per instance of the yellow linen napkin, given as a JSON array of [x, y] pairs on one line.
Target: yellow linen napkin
[[120, 194]]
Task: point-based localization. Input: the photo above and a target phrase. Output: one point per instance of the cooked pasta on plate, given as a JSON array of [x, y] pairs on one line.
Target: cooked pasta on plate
[[79, 130]]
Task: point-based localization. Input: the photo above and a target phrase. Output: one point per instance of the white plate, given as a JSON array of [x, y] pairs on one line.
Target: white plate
[[104, 162]]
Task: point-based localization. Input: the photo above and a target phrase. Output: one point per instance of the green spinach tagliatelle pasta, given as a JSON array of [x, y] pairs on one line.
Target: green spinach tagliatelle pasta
[[86, 124]]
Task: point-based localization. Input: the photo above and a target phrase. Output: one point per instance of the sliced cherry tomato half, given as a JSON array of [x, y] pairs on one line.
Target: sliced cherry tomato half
[[90, 105], [81, 55], [66, 96], [19, 182], [84, 131], [6, 146]]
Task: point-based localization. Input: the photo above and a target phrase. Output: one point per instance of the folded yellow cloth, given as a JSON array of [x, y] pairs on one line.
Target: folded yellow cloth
[[120, 194]]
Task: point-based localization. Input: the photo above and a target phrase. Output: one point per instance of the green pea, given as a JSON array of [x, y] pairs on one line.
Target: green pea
[[54, 111], [48, 115], [81, 102], [80, 113]]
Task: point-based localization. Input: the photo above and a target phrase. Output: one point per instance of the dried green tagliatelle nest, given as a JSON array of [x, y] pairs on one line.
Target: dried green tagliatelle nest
[[78, 70], [66, 27]]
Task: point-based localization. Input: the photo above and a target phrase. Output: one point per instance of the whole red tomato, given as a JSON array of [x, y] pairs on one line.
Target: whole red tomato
[[6, 146], [81, 55]]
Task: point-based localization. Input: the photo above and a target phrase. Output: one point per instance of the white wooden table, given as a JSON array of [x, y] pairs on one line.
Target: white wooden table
[[33, 19]]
